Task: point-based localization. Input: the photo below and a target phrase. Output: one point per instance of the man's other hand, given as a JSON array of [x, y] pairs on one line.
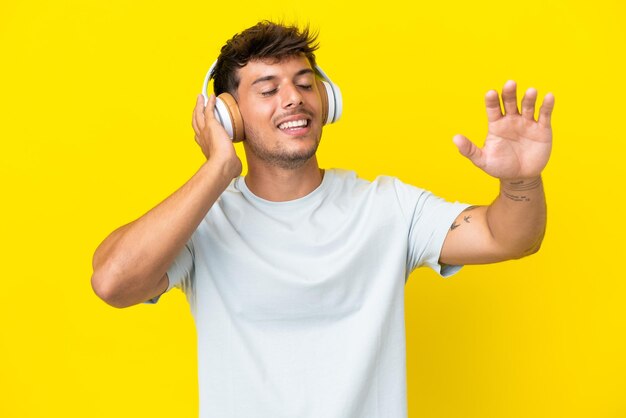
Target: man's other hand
[[517, 145]]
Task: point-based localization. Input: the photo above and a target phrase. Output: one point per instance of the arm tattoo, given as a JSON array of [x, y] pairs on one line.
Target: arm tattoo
[[517, 198], [509, 189], [521, 185], [465, 218]]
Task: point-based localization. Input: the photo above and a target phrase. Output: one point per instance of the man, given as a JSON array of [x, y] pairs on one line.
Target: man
[[295, 275]]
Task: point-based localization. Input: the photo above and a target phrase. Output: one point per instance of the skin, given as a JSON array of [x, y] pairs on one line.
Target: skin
[[281, 164], [516, 151], [130, 265]]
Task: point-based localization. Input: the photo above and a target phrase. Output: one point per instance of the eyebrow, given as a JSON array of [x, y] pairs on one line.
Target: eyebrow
[[272, 77]]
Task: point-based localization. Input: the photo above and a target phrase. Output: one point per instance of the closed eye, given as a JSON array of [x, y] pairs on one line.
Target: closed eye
[[268, 92]]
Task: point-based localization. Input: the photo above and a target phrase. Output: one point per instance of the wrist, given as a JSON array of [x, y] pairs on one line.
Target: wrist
[[520, 190], [228, 168], [521, 183]]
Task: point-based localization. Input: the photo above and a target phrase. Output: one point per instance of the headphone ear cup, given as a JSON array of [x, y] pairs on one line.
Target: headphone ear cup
[[331, 101], [333, 97], [227, 113], [321, 87], [337, 102]]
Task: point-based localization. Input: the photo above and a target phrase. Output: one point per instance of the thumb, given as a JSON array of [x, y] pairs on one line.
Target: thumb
[[468, 149]]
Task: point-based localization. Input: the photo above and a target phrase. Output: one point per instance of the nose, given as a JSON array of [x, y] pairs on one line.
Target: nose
[[291, 96]]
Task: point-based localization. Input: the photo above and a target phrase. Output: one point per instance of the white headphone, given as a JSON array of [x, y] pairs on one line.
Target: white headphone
[[227, 112]]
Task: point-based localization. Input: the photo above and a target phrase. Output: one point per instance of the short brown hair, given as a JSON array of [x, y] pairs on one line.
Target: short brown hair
[[265, 40]]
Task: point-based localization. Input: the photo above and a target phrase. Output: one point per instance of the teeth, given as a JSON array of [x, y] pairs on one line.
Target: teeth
[[293, 124]]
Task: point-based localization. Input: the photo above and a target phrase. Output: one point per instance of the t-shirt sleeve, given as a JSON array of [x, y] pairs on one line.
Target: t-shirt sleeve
[[180, 271], [429, 220]]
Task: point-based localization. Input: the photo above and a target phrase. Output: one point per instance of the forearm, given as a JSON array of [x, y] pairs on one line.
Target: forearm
[[131, 261], [517, 218]]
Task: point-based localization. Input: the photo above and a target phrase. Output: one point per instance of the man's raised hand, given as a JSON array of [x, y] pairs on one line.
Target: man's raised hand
[[517, 146], [211, 136]]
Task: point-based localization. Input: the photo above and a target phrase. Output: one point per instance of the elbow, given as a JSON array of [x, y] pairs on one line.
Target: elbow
[[526, 251], [534, 249], [103, 285]]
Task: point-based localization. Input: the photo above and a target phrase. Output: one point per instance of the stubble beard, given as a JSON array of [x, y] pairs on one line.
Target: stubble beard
[[278, 156]]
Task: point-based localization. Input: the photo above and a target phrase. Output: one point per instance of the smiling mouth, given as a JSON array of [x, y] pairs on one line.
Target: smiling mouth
[[294, 124]]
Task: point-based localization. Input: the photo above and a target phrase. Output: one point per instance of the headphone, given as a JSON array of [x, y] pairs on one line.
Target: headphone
[[227, 112]]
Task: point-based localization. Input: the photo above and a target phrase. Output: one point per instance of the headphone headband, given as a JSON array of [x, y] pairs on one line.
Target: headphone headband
[[205, 85]]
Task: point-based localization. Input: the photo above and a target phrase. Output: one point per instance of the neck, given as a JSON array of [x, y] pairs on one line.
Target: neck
[[279, 184]]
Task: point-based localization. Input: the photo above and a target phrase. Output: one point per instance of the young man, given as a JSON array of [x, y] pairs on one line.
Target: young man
[[295, 275]]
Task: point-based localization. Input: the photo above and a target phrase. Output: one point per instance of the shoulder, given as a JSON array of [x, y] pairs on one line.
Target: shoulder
[[381, 185], [387, 190], [351, 178]]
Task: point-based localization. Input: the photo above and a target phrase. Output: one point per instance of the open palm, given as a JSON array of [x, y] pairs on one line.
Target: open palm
[[517, 146]]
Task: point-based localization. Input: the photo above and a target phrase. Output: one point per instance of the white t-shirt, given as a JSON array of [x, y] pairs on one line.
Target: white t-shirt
[[299, 305]]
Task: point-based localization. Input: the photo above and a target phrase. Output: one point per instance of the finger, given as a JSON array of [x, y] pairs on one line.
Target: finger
[[210, 108], [198, 115], [492, 103], [528, 104], [509, 98], [193, 118], [545, 112], [469, 150]]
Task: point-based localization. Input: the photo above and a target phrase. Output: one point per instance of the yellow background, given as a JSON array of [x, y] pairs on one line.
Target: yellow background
[[95, 128]]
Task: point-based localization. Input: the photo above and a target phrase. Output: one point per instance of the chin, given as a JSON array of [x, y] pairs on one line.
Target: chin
[[283, 158], [294, 160], [287, 151]]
